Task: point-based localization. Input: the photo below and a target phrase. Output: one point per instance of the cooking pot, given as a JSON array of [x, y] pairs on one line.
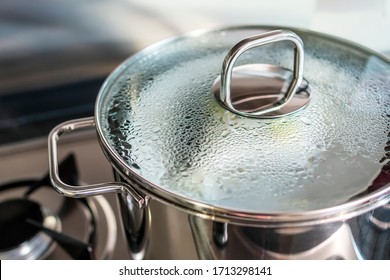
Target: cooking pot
[[249, 142]]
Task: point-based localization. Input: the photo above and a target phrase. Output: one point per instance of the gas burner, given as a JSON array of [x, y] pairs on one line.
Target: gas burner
[[38, 223], [23, 239]]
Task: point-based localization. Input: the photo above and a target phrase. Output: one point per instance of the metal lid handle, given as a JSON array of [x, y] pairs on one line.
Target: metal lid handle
[[256, 41]]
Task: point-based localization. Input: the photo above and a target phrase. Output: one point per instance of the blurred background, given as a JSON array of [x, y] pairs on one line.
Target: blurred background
[[55, 54]]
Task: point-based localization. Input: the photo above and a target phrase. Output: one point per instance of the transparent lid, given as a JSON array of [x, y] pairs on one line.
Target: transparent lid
[[159, 116]]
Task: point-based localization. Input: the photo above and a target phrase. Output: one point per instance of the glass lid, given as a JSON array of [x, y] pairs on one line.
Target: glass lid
[[159, 116]]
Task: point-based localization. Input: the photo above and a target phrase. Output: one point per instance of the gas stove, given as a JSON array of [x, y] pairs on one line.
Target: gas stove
[[36, 222], [52, 73]]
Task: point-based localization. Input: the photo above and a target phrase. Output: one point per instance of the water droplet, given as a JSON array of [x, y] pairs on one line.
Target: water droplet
[[240, 170], [305, 121], [225, 133]]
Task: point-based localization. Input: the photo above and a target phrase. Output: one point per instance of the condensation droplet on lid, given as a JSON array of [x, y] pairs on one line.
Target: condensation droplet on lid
[[240, 170], [305, 121]]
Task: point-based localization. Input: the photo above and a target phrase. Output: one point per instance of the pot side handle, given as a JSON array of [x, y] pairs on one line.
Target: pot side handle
[[86, 190]]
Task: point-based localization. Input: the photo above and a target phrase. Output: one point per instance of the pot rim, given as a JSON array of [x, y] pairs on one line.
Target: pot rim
[[339, 212]]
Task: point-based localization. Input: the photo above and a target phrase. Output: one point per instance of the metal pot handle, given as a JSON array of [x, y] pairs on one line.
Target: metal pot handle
[[225, 95], [87, 190]]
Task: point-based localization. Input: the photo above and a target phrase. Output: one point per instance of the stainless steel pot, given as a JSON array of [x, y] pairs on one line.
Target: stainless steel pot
[[258, 162]]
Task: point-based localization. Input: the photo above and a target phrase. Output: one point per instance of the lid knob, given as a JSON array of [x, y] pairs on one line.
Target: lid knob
[[262, 90]]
